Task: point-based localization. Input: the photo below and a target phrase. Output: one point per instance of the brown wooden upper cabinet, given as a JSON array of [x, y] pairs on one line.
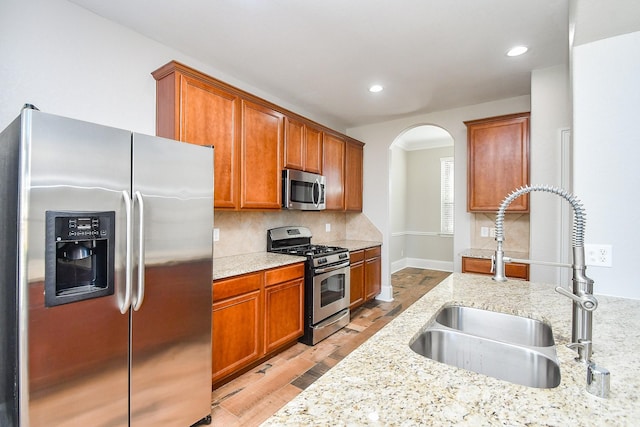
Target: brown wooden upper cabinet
[[333, 170], [302, 146], [354, 158], [497, 162], [254, 140], [342, 168], [192, 108], [260, 163]]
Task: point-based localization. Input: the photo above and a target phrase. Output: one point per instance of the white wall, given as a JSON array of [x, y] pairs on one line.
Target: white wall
[[415, 210], [606, 144], [398, 202], [550, 114], [69, 61], [380, 136], [423, 188]]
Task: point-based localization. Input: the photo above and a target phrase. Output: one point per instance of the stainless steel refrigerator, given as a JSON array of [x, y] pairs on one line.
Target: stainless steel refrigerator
[[106, 267]]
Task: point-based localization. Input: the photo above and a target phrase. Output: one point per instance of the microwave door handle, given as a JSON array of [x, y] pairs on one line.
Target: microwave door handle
[[316, 184]]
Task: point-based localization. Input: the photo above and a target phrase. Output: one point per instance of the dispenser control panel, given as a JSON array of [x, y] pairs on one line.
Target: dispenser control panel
[[68, 228]]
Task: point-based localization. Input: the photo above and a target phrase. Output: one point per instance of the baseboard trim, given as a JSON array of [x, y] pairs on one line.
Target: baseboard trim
[[430, 264]]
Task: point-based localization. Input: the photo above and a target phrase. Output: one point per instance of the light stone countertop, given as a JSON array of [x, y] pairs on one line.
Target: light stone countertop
[[353, 245], [488, 253], [236, 265], [384, 383]]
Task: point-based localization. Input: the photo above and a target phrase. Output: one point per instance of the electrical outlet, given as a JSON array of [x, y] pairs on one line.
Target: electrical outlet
[[327, 227], [216, 234], [484, 231], [598, 255]]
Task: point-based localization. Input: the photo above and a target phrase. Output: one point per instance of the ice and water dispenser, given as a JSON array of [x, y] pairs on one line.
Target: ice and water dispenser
[[79, 258]]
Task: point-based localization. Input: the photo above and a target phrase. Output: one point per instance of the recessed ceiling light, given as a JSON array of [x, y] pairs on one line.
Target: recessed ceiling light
[[517, 51], [375, 88]]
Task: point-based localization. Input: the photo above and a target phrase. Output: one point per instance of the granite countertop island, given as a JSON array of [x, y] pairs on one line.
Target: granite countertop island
[[384, 383]]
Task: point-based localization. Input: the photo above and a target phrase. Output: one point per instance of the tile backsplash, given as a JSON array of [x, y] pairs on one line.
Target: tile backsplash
[[246, 232], [516, 232]]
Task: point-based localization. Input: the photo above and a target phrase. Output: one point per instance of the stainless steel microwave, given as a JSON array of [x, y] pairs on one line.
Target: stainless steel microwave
[[303, 190]]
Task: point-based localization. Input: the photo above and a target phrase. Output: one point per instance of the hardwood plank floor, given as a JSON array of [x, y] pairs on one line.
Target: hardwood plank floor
[[253, 397]]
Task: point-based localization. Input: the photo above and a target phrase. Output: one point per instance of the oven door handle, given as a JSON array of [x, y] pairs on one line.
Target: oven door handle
[[333, 267]]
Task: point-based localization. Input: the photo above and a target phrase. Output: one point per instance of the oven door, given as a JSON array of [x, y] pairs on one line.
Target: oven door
[[330, 291]]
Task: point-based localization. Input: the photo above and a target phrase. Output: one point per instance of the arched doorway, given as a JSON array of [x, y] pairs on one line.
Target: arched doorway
[[417, 211]]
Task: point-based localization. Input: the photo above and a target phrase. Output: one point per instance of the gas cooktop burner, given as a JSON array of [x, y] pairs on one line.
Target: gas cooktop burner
[[297, 241], [312, 250]]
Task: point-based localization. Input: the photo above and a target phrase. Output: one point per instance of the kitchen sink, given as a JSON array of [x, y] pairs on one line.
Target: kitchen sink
[[503, 346], [498, 326]]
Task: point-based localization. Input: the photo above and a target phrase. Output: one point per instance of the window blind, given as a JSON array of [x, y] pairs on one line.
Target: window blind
[[446, 195]]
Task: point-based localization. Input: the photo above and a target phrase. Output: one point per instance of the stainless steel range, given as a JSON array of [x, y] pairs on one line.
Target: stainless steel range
[[327, 277]]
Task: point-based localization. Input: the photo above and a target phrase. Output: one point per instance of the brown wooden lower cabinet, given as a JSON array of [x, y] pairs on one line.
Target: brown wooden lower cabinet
[[512, 270], [372, 273], [366, 275], [236, 333], [255, 316], [284, 313], [357, 279]]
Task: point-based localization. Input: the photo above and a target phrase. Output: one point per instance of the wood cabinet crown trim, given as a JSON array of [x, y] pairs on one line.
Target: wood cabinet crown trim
[[175, 66], [524, 114]]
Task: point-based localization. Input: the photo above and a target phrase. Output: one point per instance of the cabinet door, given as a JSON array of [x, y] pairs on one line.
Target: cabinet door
[[261, 157], [512, 270], [284, 313], [294, 144], [236, 334], [313, 150], [498, 162], [372, 272], [209, 116], [353, 176], [333, 170], [357, 285]]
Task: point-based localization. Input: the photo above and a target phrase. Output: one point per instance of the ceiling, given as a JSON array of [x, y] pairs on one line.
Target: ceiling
[[321, 56]]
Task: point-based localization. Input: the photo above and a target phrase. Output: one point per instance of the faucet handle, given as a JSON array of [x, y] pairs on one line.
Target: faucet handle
[[587, 302], [583, 347]]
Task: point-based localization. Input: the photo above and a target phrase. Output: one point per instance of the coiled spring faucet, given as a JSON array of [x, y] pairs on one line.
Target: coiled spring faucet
[[584, 303]]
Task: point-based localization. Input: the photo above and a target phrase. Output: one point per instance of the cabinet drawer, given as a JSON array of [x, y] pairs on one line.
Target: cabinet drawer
[[372, 252], [226, 288], [284, 274], [356, 256]]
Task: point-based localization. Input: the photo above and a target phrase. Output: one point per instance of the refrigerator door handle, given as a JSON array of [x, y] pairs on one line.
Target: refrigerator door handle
[[139, 298], [126, 304]]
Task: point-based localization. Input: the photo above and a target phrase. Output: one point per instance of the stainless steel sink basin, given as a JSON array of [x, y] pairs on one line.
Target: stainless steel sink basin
[[497, 326], [503, 346]]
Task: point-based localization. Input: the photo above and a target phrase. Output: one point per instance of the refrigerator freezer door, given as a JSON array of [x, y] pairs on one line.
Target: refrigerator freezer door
[[171, 322], [75, 356]]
